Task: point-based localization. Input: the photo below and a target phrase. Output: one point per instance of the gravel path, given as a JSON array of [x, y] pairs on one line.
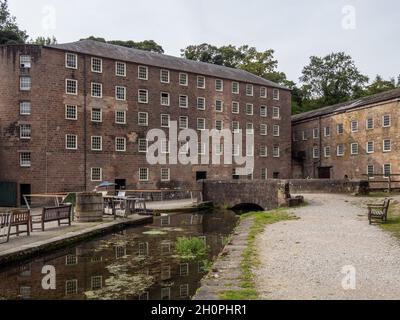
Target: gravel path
[[303, 259]]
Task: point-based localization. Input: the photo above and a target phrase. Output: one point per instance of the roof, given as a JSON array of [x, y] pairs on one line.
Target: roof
[[106, 50], [345, 106]]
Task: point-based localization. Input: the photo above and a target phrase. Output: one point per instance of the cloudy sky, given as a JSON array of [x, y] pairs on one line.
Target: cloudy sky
[[368, 30]]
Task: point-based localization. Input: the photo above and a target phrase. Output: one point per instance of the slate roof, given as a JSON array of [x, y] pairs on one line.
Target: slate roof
[[100, 49], [343, 107]]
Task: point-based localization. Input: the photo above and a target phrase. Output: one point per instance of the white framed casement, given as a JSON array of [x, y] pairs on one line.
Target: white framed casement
[[120, 93], [276, 151], [71, 86], [97, 143], [235, 107], [235, 87], [219, 85], [264, 174], [71, 260], [201, 103], [143, 96], [97, 90], [354, 126], [354, 149], [165, 99], [249, 90], [143, 174], [71, 60], [25, 131], [263, 129], [183, 122], [25, 160], [97, 115], [120, 69], [316, 133], [143, 119], [25, 61], [143, 249], [340, 128], [263, 111], [369, 124], [165, 146], [71, 112], [387, 170], [165, 174], [183, 101], [276, 113], [249, 128], [386, 121], [97, 65], [327, 152], [235, 126], [371, 171], [340, 150], [276, 130], [184, 269], [71, 287], [219, 125], [201, 149], [249, 109], [263, 92], [263, 151], [96, 174], [25, 108], [120, 116], [165, 120], [276, 94], [201, 82], [387, 145], [304, 135], [71, 142], [120, 144], [183, 79], [96, 283], [201, 124], [219, 149], [25, 83], [327, 132], [164, 76], [184, 290], [370, 147], [143, 73], [315, 152], [143, 145], [219, 106]]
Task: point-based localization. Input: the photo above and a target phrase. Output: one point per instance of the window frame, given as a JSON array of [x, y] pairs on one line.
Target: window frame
[[75, 112], [75, 59], [92, 65], [117, 64]]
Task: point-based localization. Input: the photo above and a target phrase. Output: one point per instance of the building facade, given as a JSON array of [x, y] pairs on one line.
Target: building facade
[[73, 115], [356, 140]]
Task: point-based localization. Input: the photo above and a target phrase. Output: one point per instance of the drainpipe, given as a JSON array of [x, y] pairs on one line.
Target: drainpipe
[[85, 121]]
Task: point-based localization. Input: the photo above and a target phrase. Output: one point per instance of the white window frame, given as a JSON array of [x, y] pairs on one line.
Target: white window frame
[[75, 56], [327, 132], [76, 87], [263, 111], [186, 78], [117, 118], [117, 88], [234, 83], [276, 113], [118, 141], [101, 115], [340, 128], [219, 85], [142, 69], [140, 96], [204, 124], [368, 145], [203, 103], [316, 153], [145, 171], [183, 119], [25, 83], [384, 149], [23, 159], [276, 94], [93, 85], [340, 154], [201, 79], [217, 122], [186, 99], [221, 102], [384, 170], [263, 129], [354, 126], [162, 174], [356, 150], [263, 151], [140, 141], [100, 138], [164, 72], [93, 59], [249, 107], [92, 174], [235, 103], [25, 61], [162, 116], [67, 109], [25, 131], [118, 65], [24, 106], [316, 133], [369, 174], [276, 130], [367, 127], [327, 152], [162, 102], [383, 121], [67, 140], [276, 152], [139, 118], [249, 90]]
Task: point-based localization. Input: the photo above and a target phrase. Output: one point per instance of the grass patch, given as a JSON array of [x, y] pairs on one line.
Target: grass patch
[[379, 194], [250, 259], [393, 223]]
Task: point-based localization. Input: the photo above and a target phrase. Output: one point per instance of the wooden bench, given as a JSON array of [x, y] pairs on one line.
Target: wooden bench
[[51, 214], [378, 211], [15, 219]]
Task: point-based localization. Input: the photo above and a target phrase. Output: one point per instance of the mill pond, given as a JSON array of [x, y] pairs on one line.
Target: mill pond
[[164, 260]]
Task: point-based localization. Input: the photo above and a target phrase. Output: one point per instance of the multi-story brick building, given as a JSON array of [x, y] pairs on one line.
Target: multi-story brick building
[[75, 114], [355, 139]]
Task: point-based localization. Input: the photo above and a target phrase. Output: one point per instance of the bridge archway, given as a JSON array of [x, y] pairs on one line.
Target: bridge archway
[[246, 207]]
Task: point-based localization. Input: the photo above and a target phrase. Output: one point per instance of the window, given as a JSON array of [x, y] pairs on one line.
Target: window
[[201, 148], [275, 94], [143, 249], [165, 120], [249, 109], [201, 124], [369, 124], [387, 170], [276, 152], [184, 290], [25, 159], [201, 103], [120, 144], [264, 111], [165, 220], [327, 152], [71, 61], [304, 136], [25, 83], [120, 93], [166, 247], [387, 145], [96, 174], [327, 131], [25, 61], [183, 101], [97, 115], [340, 150], [183, 122], [71, 86], [97, 65], [97, 90], [263, 151], [165, 174], [263, 92], [143, 145], [235, 107], [276, 113], [201, 82], [340, 128], [235, 88], [219, 125], [316, 153], [183, 79], [184, 269], [71, 112], [96, 282], [235, 151], [143, 73], [143, 174], [71, 142], [249, 90], [165, 293], [370, 171], [120, 117], [165, 99], [316, 133], [370, 147], [143, 96], [120, 252], [25, 293], [25, 108], [249, 128], [165, 146], [143, 119], [165, 272], [120, 69], [97, 143], [263, 129], [264, 174], [219, 85], [276, 131], [164, 76], [354, 148], [354, 126], [235, 126], [219, 149], [219, 105], [386, 121], [71, 287]]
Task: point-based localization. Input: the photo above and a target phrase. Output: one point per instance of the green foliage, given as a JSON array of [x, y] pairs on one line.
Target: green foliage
[[9, 30], [191, 249], [393, 223], [44, 41], [146, 45]]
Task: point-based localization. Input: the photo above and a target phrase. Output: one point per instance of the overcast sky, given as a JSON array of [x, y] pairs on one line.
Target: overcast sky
[[368, 30]]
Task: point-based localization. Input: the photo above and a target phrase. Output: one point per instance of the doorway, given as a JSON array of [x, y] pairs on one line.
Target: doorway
[[324, 172], [201, 175], [120, 184], [25, 189]]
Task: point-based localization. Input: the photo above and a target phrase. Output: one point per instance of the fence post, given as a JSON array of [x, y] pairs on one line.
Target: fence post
[[390, 183]]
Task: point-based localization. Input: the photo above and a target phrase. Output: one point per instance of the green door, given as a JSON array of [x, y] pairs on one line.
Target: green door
[[8, 194]]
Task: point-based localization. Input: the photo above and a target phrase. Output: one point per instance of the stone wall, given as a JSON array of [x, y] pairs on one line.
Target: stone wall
[[328, 186]]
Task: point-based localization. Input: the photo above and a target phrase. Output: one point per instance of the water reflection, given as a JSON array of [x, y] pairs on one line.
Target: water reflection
[[138, 263]]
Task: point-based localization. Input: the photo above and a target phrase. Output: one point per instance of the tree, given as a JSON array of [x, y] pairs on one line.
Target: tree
[[332, 79], [44, 41], [9, 31], [380, 85]]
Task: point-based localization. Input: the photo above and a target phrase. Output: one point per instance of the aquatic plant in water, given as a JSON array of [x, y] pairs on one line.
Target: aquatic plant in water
[[191, 249]]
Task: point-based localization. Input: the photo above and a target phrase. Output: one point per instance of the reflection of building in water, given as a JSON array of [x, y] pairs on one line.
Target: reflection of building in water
[[146, 253]]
